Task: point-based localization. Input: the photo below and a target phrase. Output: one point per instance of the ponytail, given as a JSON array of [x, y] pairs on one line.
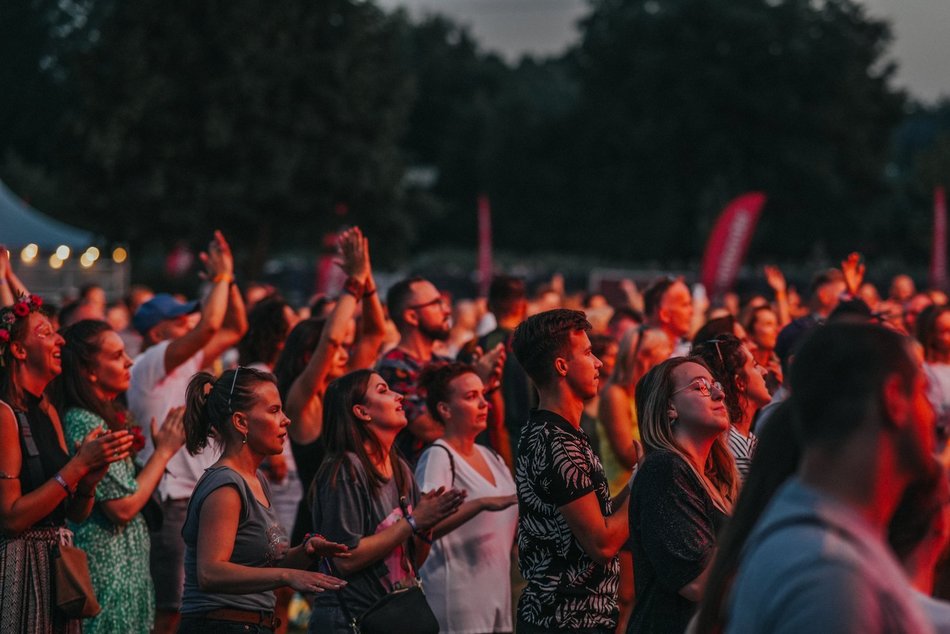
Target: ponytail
[[197, 421]]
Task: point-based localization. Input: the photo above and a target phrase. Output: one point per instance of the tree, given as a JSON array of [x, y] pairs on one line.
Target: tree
[[687, 103], [274, 122]]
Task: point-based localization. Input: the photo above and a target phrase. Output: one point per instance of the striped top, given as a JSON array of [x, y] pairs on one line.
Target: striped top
[[742, 450]]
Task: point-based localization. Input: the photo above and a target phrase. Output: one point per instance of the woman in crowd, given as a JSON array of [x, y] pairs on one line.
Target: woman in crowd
[[115, 536], [743, 382], [318, 351], [268, 324], [468, 572], [683, 492], [365, 497], [40, 485], [236, 553], [763, 328]]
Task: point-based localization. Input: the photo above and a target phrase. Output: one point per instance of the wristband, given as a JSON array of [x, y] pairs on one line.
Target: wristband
[[223, 277], [61, 481], [353, 286], [369, 292], [415, 529]]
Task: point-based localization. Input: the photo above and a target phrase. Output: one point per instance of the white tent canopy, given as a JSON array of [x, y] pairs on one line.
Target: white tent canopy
[[20, 225]]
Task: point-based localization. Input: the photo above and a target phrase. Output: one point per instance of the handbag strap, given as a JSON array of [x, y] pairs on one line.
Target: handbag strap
[[451, 459], [31, 460]]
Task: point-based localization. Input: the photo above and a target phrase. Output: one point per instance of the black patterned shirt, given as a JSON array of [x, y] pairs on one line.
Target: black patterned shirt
[[566, 589]]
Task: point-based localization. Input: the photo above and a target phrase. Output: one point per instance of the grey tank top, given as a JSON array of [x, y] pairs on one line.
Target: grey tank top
[[260, 542]]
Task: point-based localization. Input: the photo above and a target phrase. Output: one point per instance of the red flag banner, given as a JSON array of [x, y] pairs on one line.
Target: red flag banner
[[729, 242], [938, 253], [484, 245]]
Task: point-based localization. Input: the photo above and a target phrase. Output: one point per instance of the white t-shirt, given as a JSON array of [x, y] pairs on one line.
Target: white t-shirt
[[936, 610], [152, 394], [467, 575]]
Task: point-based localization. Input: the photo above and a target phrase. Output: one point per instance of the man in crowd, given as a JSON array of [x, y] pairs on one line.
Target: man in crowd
[[422, 317], [175, 348], [669, 307], [817, 561], [568, 532]]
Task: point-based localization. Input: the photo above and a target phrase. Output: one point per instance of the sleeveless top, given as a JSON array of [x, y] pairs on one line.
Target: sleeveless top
[[52, 456]]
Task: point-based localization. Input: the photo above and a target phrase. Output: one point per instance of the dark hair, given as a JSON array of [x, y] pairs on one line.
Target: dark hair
[[209, 403], [505, 295], [776, 458], [434, 381], [725, 357], [653, 295], [824, 277], [66, 312], [714, 328], [600, 343], [397, 299], [927, 328], [85, 289], [541, 338], [837, 378], [10, 392], [922, 501], [754, 317], [266, 331], [343, 433], [624, 312], [299, 346], [72, 388]]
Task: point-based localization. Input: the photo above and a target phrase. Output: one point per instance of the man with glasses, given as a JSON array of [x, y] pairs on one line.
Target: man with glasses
[[175, 347], [422, 317]]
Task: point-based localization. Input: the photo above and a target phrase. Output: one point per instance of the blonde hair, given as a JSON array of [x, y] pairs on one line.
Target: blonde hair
[[653, 395]]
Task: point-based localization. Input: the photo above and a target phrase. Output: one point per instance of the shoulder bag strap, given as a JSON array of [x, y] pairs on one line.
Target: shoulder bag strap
[[32, 458], [451, 458]]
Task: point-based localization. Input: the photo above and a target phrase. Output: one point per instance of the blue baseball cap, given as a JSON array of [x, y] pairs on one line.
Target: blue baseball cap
[[161, 307]]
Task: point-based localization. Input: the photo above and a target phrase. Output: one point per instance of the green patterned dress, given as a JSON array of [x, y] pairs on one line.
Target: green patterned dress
[[118, 555]]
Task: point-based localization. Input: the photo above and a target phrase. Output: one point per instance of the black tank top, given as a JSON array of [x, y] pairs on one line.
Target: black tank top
[[52, 457]]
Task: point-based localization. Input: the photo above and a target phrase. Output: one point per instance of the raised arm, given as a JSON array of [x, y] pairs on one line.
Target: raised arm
[[219, 265], [775, 279], [304, 404], [167, 441], [373, 323], [6, 293]]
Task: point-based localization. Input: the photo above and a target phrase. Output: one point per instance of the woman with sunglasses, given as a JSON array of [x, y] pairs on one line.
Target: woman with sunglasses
[[236, 553], [743, 383], [683, 492]]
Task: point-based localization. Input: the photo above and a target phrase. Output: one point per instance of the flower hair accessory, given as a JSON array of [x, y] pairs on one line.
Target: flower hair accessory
[[10, 315]]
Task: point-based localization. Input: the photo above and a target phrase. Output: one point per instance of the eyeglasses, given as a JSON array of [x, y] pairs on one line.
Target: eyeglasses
[[233, 383], [704, 386], [438, 300]]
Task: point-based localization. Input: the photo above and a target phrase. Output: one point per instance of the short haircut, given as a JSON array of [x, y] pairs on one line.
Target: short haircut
[[397, 299], [824, 277], [435, 382], [653, 296], [541, 338], [838, 376], [505, 295]]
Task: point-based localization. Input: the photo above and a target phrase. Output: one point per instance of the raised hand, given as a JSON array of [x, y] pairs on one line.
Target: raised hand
[[489, 366], [354, 254], [100, 448], [775, 279], [853, 269], [170, 437], [218, 259]]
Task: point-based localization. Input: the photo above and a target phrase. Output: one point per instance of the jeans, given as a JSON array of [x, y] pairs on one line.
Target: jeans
[[193, 625]]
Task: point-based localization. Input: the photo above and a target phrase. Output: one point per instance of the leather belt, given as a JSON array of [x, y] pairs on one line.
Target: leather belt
[[267, 619]]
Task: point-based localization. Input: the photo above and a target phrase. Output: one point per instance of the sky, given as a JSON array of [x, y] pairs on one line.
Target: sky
[[513, 27]]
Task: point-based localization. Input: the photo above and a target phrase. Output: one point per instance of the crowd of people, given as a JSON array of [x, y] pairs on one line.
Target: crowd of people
[[521, 462]]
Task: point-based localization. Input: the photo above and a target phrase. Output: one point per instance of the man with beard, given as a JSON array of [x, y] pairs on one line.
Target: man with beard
[[421, 315], [817, 559], [669, 307]]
